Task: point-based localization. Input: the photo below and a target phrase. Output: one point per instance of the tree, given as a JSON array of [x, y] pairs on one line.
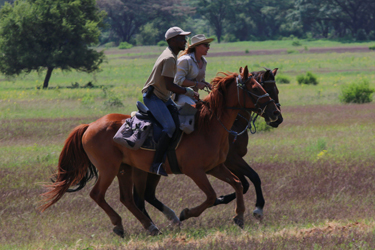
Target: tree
[[49, 34], [126, 18], [341, 16], [217, 12]]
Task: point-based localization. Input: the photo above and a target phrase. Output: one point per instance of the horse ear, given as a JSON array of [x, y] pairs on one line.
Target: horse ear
[[267, 74], [241, 69], [245, 74], [274, 71]]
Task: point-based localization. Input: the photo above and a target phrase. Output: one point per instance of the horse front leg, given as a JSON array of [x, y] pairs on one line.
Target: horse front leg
[[200, 178], [222, 173], [241, 169]]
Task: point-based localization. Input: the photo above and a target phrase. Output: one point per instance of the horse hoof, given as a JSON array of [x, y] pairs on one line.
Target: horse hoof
[[258, 213], [119, 232], [183, 214], [238, 222], [176, 222], [153, 230]]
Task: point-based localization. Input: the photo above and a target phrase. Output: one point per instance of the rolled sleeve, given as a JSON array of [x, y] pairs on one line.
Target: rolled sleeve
[[182, 71]]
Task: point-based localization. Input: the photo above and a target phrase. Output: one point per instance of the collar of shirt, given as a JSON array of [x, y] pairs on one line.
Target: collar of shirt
[[172, 52], [192, 55]]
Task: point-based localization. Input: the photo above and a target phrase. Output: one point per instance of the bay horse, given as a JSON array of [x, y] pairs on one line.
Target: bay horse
[[234, 161], [90, 148]]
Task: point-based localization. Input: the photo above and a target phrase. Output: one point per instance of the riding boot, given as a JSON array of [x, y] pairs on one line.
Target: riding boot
[[161, 149]]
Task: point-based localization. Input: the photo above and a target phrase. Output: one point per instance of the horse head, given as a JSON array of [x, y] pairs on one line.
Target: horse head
[[267, 80], [260, 99]]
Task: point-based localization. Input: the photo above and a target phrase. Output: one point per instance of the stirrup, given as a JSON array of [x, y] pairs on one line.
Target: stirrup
[[159, 170]]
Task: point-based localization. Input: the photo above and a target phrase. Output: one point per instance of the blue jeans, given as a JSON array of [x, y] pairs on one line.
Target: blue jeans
[[160, 111]]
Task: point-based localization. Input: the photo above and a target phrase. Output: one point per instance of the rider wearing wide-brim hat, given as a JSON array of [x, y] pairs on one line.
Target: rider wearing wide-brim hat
[[191, 67]]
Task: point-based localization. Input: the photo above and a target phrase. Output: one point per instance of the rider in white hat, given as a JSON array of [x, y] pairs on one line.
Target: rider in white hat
[[157, 93]]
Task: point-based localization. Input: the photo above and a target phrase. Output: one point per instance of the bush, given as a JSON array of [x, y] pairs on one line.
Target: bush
[[282, 79], [291, 51], [372, 47], [113, 102], [125, 45], [357, 93], [296, 43], [309, 78], [162, 43], [230, 38], [109, 45]]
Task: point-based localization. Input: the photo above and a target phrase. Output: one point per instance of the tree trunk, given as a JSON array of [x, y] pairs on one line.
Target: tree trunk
[[48, 76]]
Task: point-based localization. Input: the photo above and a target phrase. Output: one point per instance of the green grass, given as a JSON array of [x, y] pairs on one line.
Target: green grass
[[316, 168]]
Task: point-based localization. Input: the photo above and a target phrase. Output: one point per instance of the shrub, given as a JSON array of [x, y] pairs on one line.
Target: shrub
[[162, 43], [282, 79], [372, 47], [357, 93], [125, 45], [230, 38], [309, 78], [113, 102], [291, 51], [247, 51], [296, 43], [109, 45]]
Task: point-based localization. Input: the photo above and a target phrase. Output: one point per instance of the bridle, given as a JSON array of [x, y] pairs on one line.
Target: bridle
[[262, 83], [258, 110]]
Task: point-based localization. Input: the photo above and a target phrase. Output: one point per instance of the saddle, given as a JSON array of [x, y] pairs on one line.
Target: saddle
[[143, 131]]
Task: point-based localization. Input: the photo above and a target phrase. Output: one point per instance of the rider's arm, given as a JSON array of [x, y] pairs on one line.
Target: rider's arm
[[172, 86]]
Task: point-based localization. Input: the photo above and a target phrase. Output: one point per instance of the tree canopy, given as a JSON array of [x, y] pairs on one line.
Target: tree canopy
[[49, 34], [145, 22]]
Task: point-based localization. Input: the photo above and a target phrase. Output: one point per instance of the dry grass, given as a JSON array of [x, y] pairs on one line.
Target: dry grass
[[311, 202]]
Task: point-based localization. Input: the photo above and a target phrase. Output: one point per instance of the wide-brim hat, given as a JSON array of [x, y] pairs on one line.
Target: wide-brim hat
[[175, 31], [199, 39]]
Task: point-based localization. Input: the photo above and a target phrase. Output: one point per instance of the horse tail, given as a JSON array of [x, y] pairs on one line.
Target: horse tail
[[74, 169]]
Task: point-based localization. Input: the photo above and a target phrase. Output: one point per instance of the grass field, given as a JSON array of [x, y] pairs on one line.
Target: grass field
[[317, 168]]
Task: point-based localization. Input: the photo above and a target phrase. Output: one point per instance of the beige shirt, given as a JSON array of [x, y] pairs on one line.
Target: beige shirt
[[187, 68], [165, 65]]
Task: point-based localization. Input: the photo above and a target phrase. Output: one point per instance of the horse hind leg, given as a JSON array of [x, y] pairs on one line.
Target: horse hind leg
[[125, 179], [152, 182], [98, 195]]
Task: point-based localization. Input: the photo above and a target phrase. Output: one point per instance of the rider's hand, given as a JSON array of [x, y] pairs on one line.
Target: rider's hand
[[207, 85], [190, 92], [200, 85]]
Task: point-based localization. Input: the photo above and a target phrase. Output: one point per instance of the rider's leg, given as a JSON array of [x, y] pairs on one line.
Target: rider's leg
[[162, 114]]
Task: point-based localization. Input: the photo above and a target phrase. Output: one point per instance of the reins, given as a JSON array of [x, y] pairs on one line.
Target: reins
[[261, 109]]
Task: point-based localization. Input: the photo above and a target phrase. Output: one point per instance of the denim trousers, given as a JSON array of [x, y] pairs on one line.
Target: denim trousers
[[160, 111]]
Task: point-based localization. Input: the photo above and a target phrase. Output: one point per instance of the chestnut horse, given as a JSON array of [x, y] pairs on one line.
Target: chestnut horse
[[91, 146], [234, 162]]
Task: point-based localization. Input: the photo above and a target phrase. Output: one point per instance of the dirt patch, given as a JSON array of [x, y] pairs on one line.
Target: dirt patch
[[333, 229]]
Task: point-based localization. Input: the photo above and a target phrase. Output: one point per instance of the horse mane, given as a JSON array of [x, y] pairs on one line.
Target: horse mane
[[213, 104]]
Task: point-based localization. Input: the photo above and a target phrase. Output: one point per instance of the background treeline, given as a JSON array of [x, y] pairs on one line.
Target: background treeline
[[144, 22]]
